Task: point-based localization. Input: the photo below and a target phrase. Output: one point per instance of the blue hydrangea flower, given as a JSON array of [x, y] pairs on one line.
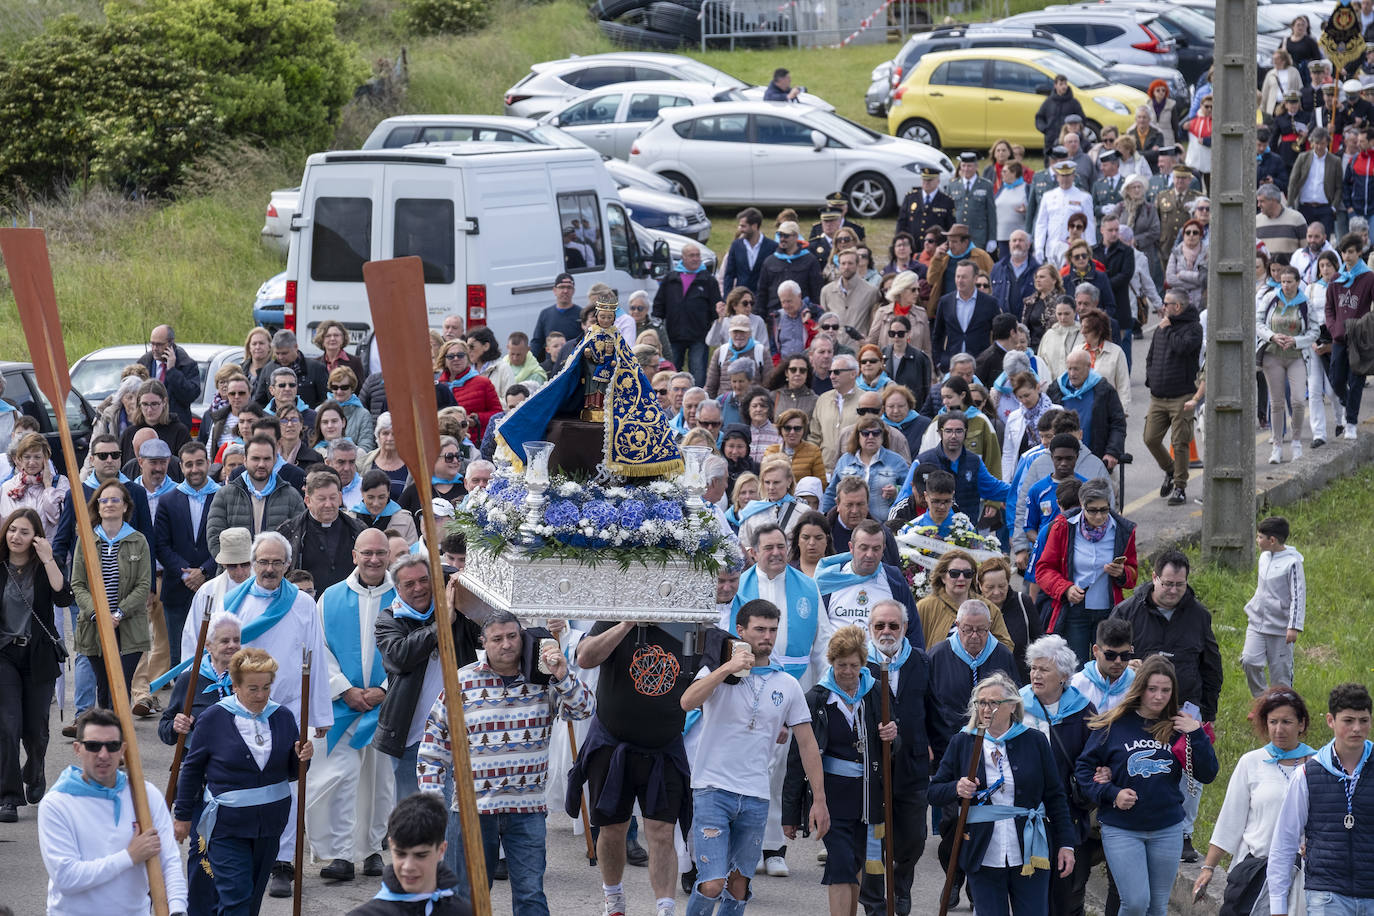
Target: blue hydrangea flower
[[497, 484], [666, 511], [512, 495], [600, 513], [632, 512], [561, 514]]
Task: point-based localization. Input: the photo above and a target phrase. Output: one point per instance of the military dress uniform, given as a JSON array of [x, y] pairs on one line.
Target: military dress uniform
[[1052, 219], [1162, 182], [837, 201], [1173, 213], [974, 207], [918, 216], [1106, 193]]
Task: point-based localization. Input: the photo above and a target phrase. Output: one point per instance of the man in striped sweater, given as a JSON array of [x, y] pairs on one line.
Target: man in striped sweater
[[509, 717]]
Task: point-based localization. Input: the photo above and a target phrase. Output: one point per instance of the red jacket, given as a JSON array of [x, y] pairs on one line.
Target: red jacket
[[1053, 572], [478, 397]]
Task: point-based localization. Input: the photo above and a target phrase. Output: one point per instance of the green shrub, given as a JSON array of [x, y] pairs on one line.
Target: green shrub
[[447, 17], [97, 104], [276, 69]]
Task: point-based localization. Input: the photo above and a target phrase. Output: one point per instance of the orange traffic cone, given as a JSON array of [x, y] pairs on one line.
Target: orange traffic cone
[[1194, 459]]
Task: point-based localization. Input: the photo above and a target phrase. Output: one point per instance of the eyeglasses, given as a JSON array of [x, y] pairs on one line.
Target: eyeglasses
[[709, 424], [660, 391], [1111, 656], [449, 456], [1079, 256], [372, 554], [456, 354], [870, 362], [289, 421], [150, 406], [746, 302], [106, 456], [270, 564], [793, 428], [800, 370], [1208, 209], [959, 573], [111, 501], [896, 335], [939, 501], [981, 285], [870, 433], [1172, 585], [991, 704], [886, 626], [1096, 510], [340, 387], [1192, 232], [838, 369], [830, 327], [868, 411], [95, 747]]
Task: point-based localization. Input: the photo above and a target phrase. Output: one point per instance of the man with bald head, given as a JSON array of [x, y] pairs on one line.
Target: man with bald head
[[175, 369], [351, 791]]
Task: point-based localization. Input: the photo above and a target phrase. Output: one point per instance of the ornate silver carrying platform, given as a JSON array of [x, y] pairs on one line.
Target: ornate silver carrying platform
[[538, 589]]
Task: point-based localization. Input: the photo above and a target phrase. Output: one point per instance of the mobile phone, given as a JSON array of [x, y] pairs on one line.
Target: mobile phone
[[1190, 709], [1199, 893], [1119, 560]]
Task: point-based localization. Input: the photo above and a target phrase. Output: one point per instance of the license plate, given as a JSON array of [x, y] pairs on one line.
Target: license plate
[[356, 336]]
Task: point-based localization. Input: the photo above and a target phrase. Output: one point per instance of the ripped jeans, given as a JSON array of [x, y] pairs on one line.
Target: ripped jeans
[[727, 838]]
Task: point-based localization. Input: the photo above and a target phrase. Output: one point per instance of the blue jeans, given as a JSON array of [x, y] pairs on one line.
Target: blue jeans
[[407, 783], [83, 696], [1080, 629], [690, 356], [1003, 891], [1190, 805], [1325, 903], [727, 838], [1348, 386], [1126, 338], [522, 835], [1144, 892]]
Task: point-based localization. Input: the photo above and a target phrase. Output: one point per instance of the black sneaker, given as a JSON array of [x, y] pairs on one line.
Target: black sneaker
[[1318, 443], [1340, 430], [1167, 486], [501, 872], [33, 792], [338, 870], [689, 880], [1178, 497], [9, 814], [280, 884], [1189, 853], [636, 854]]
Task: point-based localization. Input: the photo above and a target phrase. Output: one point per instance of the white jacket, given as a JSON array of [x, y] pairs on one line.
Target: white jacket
[[1143, 285], [1280, 600]]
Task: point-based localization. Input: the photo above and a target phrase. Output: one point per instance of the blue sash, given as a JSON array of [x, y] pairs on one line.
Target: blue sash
[[1035, 842], [339, 611], [238, 798], [803, 617], [285, 598], [72, 782], [851, 769]]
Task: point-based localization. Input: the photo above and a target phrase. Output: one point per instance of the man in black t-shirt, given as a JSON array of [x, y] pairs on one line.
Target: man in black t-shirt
[[634, 749]]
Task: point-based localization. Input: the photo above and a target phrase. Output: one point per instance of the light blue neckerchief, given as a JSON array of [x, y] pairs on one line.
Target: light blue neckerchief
[[677, 266], [1326, 758], [1099, 680], [391, 509], [351, 401], [119, 535], [973, 663], [876, 656], [400, 609], [755, 506], [72, 782], [1348, 275], [268, 489], [232, 704], [878, 384], [200, 495], [300, 405], [457, 383], [866, 682], [162, 490], [1070, 702], [219, 683], [92, 482], [387, 893], [831, 577], [1275, 754]]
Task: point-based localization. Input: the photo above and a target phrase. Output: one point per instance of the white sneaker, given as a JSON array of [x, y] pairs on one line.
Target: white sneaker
[[615, 905], [668, 910], [1276, 454], [776, 866], [1350, 431], [1297, 449]]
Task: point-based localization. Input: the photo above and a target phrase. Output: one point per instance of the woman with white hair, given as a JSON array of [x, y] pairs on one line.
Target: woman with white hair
[[119, 411], [1059, 712], [903, 298], [1019, 829]]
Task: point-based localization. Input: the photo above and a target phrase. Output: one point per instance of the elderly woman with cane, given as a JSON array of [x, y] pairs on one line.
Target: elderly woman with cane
[[1007, 857]]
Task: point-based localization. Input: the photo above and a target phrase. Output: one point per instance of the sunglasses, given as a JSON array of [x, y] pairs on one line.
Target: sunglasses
[[886, 626], [449, 456], [95, 747], [932, 242], [709, 424], [456, 354], [660, 391], [791, 428], [870, 433], [746, 302], [830, 327], [1192, 232], [106, 456], [340, 387], [896, 334], [959, 573], [983, 285], [870, 362], [868, 411], [1111, 656], [801, 370]]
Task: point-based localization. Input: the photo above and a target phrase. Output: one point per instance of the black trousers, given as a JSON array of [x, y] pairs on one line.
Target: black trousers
[[127, 661], [23, 721], [909, 814]]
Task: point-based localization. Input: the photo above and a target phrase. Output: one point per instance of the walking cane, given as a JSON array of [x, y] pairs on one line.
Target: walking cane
[[25, 253], [887, 791], [300, 784], [187, 703], [974, 762], [586, 821]]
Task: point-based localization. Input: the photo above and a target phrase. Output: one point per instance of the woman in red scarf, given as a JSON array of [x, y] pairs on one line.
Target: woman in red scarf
[[903, 297], [472, 391]]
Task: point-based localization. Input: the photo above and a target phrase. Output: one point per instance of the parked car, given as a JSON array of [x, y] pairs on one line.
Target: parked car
[[96, 374], [1111, 31], [655, 203], [269, 303], [888, 76], [21, 390], [608, 119], [968, 99], [767, 153], [548, 85]]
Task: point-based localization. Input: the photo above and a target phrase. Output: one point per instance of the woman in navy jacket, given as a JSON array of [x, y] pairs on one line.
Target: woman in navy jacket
[[1147, 743], [236, 779], [1020, 811]]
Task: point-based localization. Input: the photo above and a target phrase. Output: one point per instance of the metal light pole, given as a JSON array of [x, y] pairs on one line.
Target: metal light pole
[[1228, 506]]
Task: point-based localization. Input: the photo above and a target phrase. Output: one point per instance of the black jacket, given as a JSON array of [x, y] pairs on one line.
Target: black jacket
[[796, 790], [1052, 113], [182, 382], [407, 647], [946, 336], [840, 535], [457, 905], [987, 365], [913, 709], [178, 546], [737, 269], [1119, 259], [1009, 290], [311, 377], [913, 370], [373, 395], [1025, 627], [804, 268], [326, 571], [1106, 296], [688, 315], [1171, 364], [1108, 421], [43, 667], [1186, 639]]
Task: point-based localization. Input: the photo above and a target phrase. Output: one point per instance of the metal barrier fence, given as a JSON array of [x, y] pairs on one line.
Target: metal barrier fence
[[823, 23]]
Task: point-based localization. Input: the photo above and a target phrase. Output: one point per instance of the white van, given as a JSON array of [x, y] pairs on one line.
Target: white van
[[494, 224]]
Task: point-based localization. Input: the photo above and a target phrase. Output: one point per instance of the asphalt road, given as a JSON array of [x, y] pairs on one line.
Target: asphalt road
[[571, 885]]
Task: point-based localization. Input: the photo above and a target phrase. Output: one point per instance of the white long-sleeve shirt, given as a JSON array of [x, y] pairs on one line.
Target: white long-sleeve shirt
[[1254, 795], [84, 850], [1287, 839]]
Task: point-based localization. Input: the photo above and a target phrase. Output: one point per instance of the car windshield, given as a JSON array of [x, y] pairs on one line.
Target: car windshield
[[1081, 54], [704, 74], [1265, 21], [839, 128], [1079, 76], [1189, 20], [552, 136], [643, 179], [96, 378]]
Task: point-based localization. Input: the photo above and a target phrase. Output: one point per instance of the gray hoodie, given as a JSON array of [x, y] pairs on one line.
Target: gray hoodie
[[1280, 600]]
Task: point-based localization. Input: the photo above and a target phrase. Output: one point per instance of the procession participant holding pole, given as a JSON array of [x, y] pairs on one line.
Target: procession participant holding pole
[[235, 557], [912, 708], [1009, 853], [92, 846], [241, 802], [209, 683], [351, 790], [742, 721], [510, 715]]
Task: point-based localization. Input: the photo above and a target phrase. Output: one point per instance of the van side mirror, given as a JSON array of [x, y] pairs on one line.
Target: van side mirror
[[818, 140], [662, 261]]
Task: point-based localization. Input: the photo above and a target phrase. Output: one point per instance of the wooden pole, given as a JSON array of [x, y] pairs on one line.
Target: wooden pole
[[300, 785], [396, 295], [26, 258], [975, 760], [190, 700], [586, 820], [887, 792]]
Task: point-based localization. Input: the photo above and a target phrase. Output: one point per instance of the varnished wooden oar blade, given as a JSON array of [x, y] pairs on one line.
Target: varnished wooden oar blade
[[396, 293], [26, 258]]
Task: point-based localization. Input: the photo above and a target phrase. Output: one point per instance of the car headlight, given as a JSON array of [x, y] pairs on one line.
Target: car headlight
[[1111, 104], [914, 167], [946, 164], [677, 221]]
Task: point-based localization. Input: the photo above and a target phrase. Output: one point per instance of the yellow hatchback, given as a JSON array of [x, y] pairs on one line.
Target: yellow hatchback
[[968, 99]]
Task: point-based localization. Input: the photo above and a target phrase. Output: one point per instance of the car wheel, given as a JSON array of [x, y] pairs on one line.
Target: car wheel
[[674, 19], [870, 195], [628, 36], [1091, 131], [614, 9], [681, 184], [921, 131]]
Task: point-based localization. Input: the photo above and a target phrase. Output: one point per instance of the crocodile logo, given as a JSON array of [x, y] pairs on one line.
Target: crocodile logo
[[1144, 763]]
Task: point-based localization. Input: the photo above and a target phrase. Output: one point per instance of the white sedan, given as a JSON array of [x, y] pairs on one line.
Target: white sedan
[[781, 154], [608, 119]]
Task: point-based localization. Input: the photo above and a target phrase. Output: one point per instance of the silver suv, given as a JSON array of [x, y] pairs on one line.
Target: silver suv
[[1123, 35]]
